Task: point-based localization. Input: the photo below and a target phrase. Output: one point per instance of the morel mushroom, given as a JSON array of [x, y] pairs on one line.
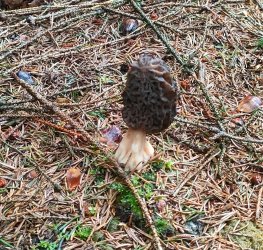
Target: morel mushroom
[[149, 100]]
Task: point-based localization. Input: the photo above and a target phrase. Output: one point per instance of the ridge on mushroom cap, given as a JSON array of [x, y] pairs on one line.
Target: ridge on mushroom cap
[[149, 96]]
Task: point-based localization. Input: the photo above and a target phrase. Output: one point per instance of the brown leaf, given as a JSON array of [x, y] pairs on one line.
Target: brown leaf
[[256, 179], [68, 45], [235, 121], [154, 16], [73, 178], [62, 100], [128, 25], [161, 204], [3, 182], [32, 174], [185, 84], [249, 104], [97, 21]]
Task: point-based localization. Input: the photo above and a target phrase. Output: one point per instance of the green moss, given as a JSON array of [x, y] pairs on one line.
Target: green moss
[[127, 199], [46, 245], [113, 225], [163, 227], [83, 232], [247, 235], [157, 165], [260, 43], [98, 236]]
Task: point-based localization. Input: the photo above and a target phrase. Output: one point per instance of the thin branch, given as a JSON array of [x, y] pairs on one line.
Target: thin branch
[[219, 132], [158, 33]]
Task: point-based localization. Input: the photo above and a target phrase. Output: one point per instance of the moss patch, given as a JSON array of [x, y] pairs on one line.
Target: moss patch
[[246, 235]]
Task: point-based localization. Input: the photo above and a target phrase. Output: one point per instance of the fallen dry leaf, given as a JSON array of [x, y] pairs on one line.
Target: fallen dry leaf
[[154, 16], [32, 174], [3, 182], [128, 25], [161, 205], [62, 100], [111, 135], [256, 179], [185, 84], [73, 178], [249, 104]]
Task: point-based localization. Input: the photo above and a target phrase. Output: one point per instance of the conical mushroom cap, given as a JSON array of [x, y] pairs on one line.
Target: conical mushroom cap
[[149, 97]]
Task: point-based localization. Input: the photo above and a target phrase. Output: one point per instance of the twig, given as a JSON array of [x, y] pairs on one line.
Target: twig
[[142, 204], [159, 34], [219, 132], [258, 203], [60, 128], [221, 157], [21, 108], [51, 106], [207, 96]]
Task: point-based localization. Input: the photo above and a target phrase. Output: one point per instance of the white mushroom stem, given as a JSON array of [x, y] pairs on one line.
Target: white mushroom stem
[[134, 150]]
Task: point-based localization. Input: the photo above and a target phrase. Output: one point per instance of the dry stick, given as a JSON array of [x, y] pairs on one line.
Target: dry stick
[[258, 203], [135, 17], [207, 96], [21, 108], [23, 115], [215, 111], [51, 106], [73, 89], [143, 207], [158, 33], [221, 157], [219, 132]]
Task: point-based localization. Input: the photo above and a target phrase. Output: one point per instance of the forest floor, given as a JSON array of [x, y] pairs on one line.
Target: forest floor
[[202, 190]]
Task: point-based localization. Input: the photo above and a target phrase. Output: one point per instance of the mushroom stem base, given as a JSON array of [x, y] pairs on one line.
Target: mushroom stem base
[[134, 150]]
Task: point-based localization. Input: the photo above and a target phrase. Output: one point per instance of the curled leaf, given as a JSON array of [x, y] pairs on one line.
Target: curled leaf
[[154, 16], [256, 179], [25, 76], [73, 178], [3, 182], [32, 174], [185, 84], [161, 205], [111, 135], [249, 104], [236, 121], [128, 25]]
